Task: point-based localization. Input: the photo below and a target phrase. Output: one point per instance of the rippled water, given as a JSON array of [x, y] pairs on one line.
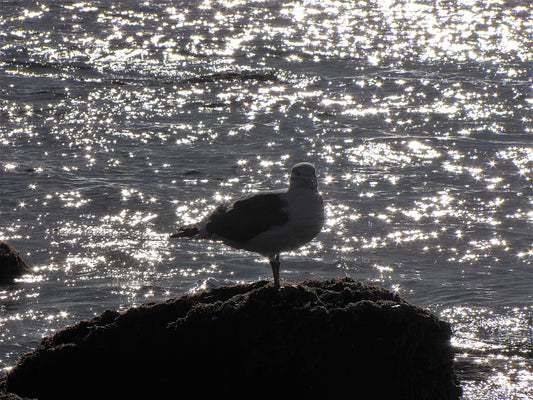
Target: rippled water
[[121, 120]]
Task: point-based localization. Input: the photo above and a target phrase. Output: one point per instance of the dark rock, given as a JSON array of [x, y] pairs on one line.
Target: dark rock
[[192, 172], [316, 338], [11, 263], [10, 396], [234, 76]]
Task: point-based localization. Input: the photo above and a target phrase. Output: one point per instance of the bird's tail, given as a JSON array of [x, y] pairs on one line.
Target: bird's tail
[[186, 231]]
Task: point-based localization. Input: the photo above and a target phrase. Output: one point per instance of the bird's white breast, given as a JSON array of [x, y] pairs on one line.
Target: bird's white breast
[[305, 209]]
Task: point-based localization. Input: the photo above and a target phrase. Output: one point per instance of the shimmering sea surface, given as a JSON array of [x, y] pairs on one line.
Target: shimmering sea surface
[[121, 120]]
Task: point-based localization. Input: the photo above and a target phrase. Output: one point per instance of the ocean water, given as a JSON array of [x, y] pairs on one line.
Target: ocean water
[[121, 120]]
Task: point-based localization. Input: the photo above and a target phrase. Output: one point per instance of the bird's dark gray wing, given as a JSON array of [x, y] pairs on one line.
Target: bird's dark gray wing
[[247, 217]]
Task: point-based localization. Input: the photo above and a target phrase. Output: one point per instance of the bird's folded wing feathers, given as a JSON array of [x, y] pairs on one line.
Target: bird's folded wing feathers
[[246, 218]]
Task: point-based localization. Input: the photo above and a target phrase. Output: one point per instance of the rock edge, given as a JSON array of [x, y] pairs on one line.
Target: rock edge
[[315, 338], [11, 263]]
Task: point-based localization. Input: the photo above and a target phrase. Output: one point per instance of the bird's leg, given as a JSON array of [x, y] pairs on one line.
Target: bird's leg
[[274, 263]]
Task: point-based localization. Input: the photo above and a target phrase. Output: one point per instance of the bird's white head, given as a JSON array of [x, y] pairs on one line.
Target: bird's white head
[[303, 175]]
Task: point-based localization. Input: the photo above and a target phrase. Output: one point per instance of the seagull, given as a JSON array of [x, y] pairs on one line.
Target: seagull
[[267, 222]]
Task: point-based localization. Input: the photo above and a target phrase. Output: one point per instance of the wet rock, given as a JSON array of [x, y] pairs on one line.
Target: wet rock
[[231, 76], [316, 338], [5, 395], [11, 263], [10, 396]]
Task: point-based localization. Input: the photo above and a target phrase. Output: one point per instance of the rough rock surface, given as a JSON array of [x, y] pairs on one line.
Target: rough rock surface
[[11, 263], [316, 338]]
